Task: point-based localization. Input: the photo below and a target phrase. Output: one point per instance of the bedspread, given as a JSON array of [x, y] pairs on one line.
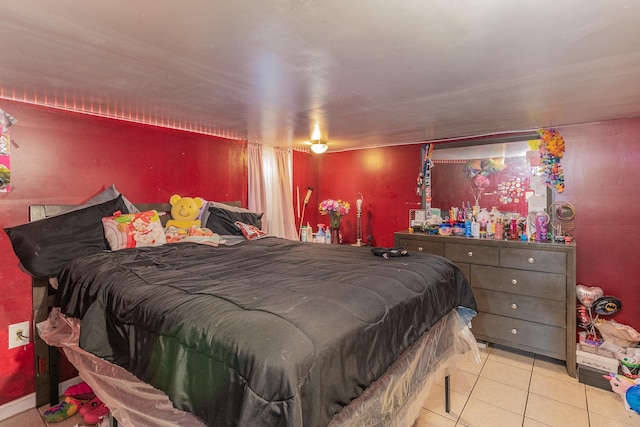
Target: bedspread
[[268, 332]]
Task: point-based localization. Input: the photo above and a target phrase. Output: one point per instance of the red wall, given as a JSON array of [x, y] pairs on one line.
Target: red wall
[[386, 177], [602, 175], [602, 178], [60, 157]]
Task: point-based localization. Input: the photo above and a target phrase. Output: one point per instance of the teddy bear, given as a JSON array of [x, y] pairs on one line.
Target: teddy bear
[[185, 211]]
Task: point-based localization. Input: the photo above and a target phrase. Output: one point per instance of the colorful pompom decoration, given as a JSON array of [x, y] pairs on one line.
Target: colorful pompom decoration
[[551, 151]]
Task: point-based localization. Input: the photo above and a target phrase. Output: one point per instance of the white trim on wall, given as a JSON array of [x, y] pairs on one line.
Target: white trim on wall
[[28, 402]]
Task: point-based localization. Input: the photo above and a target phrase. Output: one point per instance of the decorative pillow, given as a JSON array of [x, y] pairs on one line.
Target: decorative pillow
[[133, 230], [44, 247], [222, 221], [250, 232], [104, 196], [204, 212]]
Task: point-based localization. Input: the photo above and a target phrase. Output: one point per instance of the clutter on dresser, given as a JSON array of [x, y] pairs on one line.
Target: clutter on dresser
[[476, 222]]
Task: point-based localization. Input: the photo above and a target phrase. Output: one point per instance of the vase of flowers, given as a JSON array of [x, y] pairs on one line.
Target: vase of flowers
[[335, 210]]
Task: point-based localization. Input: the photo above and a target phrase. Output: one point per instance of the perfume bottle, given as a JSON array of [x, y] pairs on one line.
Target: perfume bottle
[[513, 229], [499, 234]]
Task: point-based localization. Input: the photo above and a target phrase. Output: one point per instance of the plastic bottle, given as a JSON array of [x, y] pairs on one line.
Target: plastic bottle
[[483, 228], [513, 229], [475, 228], [542, 220], [327, 237], [499, 235], [309, 233], [468, 232], [303, 233], [320, 234]]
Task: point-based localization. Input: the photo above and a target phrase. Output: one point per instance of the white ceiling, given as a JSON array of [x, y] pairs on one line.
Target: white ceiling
[[371, 72]]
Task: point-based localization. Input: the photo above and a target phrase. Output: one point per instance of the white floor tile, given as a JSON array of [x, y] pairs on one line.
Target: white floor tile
[[554, 413], [480, 414], [562, 391], [501, 395], [506, 374]]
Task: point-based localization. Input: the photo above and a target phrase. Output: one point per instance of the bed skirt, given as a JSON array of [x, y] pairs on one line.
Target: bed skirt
[[394, 399]]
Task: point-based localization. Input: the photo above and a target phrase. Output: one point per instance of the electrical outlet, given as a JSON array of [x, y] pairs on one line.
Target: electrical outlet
[[19, 334]]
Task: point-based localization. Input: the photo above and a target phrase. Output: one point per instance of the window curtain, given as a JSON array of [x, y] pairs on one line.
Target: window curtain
[[257, 193], [270, 188]]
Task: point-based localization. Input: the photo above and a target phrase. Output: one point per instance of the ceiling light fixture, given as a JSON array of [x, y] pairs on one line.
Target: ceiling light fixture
[[317, 145]]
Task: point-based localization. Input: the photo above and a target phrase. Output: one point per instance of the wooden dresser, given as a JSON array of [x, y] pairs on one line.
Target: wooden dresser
[[525, 290]]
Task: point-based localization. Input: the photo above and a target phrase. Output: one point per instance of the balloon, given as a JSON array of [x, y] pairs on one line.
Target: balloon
[[607, 305], [583, 317], [472, 168], [490, 166], [481, 182], [633, 398], [588, 295]]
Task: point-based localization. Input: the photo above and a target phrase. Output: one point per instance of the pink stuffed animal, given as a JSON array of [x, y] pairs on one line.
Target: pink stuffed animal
[[628, 389]]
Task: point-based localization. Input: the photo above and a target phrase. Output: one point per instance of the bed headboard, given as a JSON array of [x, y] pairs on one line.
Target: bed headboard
[[37, 212], [46, 358]]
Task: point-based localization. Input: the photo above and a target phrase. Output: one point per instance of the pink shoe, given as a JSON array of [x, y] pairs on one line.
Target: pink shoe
[[96, 414], [93, 403], [81, 391]]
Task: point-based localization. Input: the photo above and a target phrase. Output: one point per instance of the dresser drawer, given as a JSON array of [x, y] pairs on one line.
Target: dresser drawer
[[548, 312], [505, 330], [418, 245], [531, 259], [472, 254], [523, 282]]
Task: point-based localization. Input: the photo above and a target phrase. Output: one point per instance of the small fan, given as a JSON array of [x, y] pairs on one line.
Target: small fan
[[563, 218]]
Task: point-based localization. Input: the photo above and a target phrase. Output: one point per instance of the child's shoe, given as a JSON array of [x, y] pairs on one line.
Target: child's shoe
[[81, 391], [93, 403], [63, 410], [95, 414]]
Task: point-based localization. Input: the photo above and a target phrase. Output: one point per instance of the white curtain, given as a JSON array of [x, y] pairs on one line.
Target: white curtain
[[270, 189], [257, 193]]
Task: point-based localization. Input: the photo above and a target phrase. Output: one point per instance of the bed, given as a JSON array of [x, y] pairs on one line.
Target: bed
[[264, 332]]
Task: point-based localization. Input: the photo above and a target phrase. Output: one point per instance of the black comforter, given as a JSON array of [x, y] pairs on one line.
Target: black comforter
[[263, 333]]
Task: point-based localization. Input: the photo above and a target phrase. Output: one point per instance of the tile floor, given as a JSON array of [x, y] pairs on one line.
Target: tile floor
[[507, 389], [510, 388]]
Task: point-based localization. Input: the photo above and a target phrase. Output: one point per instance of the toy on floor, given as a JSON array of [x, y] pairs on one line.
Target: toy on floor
[[94, 411], [185, 212], [627, 388], [75, 397]]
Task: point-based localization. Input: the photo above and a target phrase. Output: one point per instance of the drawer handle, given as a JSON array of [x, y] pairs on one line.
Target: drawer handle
[[469, 253], [514, 331], [514, 306], [420, 249], [531, 260], [514, 282]]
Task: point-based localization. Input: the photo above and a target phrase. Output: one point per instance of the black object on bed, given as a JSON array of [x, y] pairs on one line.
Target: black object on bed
[[269, 332]]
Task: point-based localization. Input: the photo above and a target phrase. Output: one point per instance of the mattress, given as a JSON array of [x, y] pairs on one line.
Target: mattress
[[267, 332]]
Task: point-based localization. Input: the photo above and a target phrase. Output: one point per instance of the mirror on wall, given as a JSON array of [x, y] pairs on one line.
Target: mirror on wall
[[498, 173]]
